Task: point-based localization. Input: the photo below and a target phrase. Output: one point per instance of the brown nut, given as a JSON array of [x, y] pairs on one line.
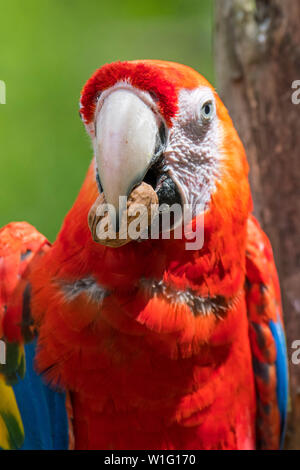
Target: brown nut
[[142, 209]]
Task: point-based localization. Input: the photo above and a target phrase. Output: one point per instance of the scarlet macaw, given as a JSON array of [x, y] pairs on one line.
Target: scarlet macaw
[[160, 347]]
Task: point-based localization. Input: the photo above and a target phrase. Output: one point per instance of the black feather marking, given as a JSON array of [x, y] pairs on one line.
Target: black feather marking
[[27, 321], [25, 255], [217, 305]]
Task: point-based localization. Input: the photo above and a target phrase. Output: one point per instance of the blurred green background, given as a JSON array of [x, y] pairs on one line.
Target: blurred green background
[[48, 49]]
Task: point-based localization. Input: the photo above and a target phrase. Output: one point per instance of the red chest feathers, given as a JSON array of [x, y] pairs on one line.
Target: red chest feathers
[[153, 368]]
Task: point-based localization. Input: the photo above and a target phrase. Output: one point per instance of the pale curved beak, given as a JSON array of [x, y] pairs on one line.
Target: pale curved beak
[[126, 136]]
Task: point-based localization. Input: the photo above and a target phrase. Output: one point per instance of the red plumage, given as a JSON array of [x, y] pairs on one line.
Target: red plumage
[[20, 244], [146, 372]]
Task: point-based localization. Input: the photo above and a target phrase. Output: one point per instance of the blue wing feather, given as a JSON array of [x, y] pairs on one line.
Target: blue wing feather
[[42, 409], [281, 373]]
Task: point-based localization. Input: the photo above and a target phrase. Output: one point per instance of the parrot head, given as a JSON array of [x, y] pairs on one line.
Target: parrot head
[[163, 124]]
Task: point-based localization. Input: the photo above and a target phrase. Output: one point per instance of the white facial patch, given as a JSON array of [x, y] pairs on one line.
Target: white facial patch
[[192, 156]]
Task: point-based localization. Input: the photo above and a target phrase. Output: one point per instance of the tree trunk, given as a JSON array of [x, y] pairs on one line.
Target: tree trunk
[[257, 46]]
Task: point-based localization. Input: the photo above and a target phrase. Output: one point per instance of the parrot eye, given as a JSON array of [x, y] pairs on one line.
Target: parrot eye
[[207, 110]]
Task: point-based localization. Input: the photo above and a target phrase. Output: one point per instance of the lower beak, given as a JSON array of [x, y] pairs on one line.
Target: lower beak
[[126, 136]]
